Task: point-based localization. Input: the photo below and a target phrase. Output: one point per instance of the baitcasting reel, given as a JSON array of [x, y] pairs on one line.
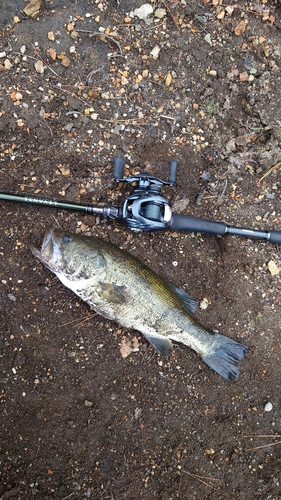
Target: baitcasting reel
[[146, 209]]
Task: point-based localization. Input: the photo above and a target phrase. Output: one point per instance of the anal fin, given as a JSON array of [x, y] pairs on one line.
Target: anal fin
[[162, 345]]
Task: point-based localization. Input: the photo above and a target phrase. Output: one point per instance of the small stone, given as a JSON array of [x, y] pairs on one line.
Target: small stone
[[68, 127], [273, 268], [11, 297], [7, 64], [51, 36], [33, 8], [240, 28], [66, 62], [208, 39], [243, 77], [213, 72], [268, 406], [2, 54], [143, 11], [160, 13], [74, 35], [155, 52], [89, 404], [204, 304], [39, 67]]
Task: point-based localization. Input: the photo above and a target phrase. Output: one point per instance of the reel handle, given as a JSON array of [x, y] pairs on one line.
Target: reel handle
[[119, 165], [173, 172]]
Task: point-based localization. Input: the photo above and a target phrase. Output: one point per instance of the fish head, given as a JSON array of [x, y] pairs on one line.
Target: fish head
[[72, 256]]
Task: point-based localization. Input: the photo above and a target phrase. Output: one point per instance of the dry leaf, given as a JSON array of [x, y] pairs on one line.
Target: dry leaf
[[169, 79], [32, 8], [39, 67], [125, 348], [52, 53], [240, 28], [128, 346]]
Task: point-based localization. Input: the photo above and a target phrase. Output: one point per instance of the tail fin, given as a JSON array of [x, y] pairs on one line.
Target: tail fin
[[224, 357]]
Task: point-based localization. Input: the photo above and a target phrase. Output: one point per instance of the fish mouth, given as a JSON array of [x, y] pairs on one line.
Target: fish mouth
[[48, 251]]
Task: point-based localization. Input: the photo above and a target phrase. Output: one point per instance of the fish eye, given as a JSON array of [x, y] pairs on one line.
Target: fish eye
[[66, 238]]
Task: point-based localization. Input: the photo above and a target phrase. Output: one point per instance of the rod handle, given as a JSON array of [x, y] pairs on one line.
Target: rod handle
[[182, 222], [274, 237]]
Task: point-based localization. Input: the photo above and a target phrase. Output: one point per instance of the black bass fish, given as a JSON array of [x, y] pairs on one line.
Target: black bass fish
[[121, 288]]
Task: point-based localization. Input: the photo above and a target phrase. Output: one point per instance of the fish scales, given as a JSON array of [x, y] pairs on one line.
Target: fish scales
[[121, 288]]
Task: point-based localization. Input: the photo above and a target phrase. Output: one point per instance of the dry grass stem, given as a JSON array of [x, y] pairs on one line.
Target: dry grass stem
[[200, 478], [275, 167]]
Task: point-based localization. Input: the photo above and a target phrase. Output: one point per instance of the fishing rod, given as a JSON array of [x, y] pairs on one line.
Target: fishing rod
[[146, 209]]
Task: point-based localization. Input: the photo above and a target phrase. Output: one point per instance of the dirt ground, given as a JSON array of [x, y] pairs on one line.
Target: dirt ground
[[197, 82]]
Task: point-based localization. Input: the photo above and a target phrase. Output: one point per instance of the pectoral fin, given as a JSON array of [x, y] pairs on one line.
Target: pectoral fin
[[112, 293], [162, 345]]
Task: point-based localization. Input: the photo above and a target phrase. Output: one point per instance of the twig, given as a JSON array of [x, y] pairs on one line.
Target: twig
[[269, 172], [168, 117], [263, 436], [263, 446], [86, 318], [68, 496], [71, 93], [170, 12], [36, 59], [89, 76], [115, 120], [96, 33], [200, 478]]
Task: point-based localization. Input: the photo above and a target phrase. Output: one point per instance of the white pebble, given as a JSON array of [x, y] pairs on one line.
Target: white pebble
[[175, 263], [155, 52], [208, 39], [204, 304], [144, 11], [268, 406]]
